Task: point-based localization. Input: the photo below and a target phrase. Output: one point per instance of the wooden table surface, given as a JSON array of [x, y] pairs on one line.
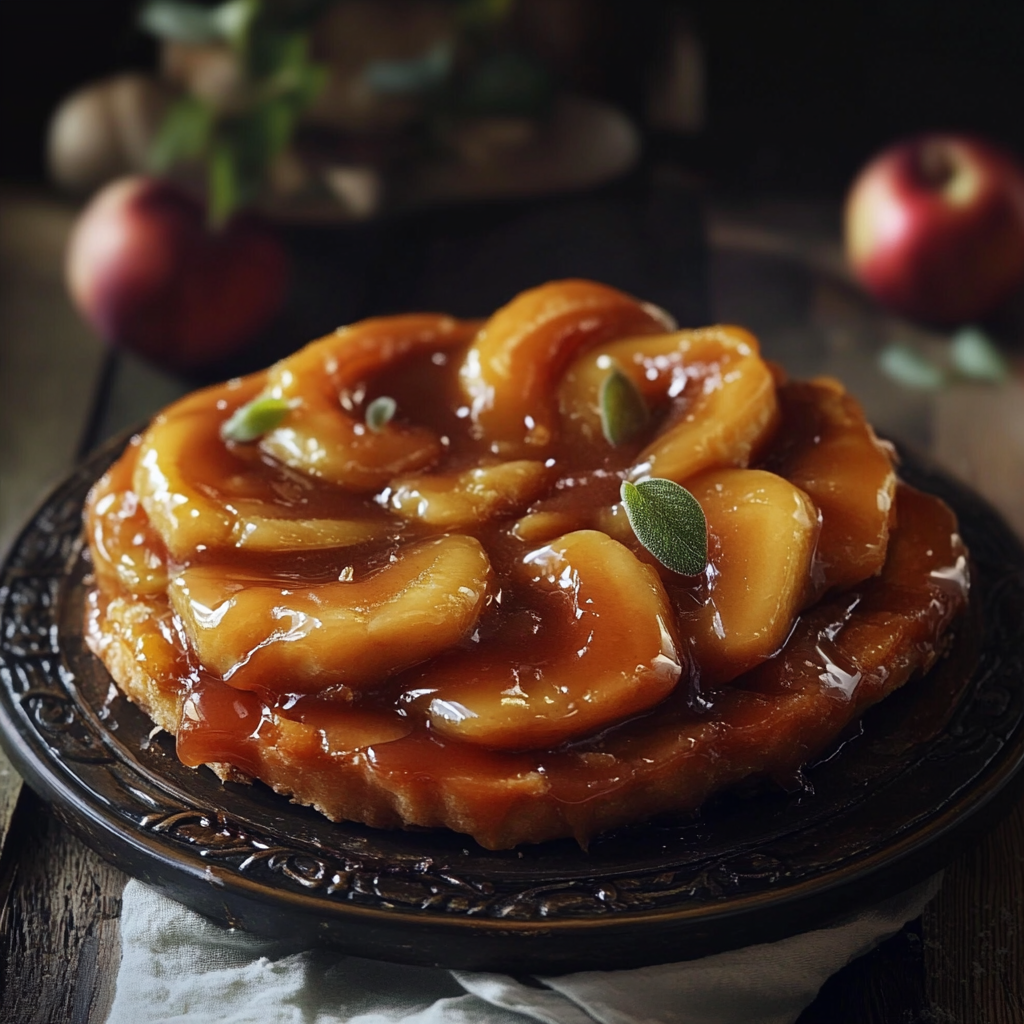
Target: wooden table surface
[[775, 268]]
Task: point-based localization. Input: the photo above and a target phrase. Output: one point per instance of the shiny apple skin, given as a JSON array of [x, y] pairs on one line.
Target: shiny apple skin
[[935, 228], [148, 274]]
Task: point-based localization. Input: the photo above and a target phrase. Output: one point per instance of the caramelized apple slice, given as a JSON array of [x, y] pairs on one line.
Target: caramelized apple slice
[[323, 439], [605, 650], [720, 392], [544, 523], [761, 536], [126, 550], [521, 351], [542, 526], [260, 532], [262, 634], [852, 649], [454, 500], [827, 448], [199, 492], [731, 416]]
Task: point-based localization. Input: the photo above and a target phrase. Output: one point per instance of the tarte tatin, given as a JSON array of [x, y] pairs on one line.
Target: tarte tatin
[[412, 597]]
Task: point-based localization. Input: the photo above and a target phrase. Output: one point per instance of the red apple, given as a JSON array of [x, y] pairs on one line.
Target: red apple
[[149, 275], [935, 228]]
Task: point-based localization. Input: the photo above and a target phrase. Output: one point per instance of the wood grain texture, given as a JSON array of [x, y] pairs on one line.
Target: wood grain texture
[[60, 935], [10, 791], [974, 932], [10, 787]]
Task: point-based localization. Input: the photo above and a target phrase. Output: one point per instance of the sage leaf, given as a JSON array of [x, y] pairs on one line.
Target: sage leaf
[[624, 412], [910, 368], [974, 356], [668, 520], [380, 412], [253, 420]]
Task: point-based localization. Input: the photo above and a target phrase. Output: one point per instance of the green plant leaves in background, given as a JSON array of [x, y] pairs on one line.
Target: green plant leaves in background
[[184, 134], [239, 137], [668, 520], [225, 191], [474, 73], [181, 22], [196, 25]]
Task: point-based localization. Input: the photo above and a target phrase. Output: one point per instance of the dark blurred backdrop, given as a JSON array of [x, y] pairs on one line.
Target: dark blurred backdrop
[[796, 95]]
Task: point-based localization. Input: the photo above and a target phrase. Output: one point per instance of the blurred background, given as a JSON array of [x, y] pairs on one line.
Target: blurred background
[[747, 95]]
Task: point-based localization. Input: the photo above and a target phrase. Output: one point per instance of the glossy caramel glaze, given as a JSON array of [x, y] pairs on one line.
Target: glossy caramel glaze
[[449, 622]]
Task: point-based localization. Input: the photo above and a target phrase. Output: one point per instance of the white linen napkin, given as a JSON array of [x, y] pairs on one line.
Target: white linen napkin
[[179, 968]]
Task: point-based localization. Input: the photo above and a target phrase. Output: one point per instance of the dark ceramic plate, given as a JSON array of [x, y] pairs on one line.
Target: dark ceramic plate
[[923, 773]]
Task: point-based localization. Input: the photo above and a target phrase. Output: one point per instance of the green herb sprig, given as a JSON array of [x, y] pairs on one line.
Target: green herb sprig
[[238, 139], [254, 419]]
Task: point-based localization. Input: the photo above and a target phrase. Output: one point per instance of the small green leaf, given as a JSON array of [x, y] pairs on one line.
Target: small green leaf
[[908, 367], [380, 412], [668, 520], [253, 420], [223, 189], [184, 134], [234, 20], [974, 356], [623, 409]]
